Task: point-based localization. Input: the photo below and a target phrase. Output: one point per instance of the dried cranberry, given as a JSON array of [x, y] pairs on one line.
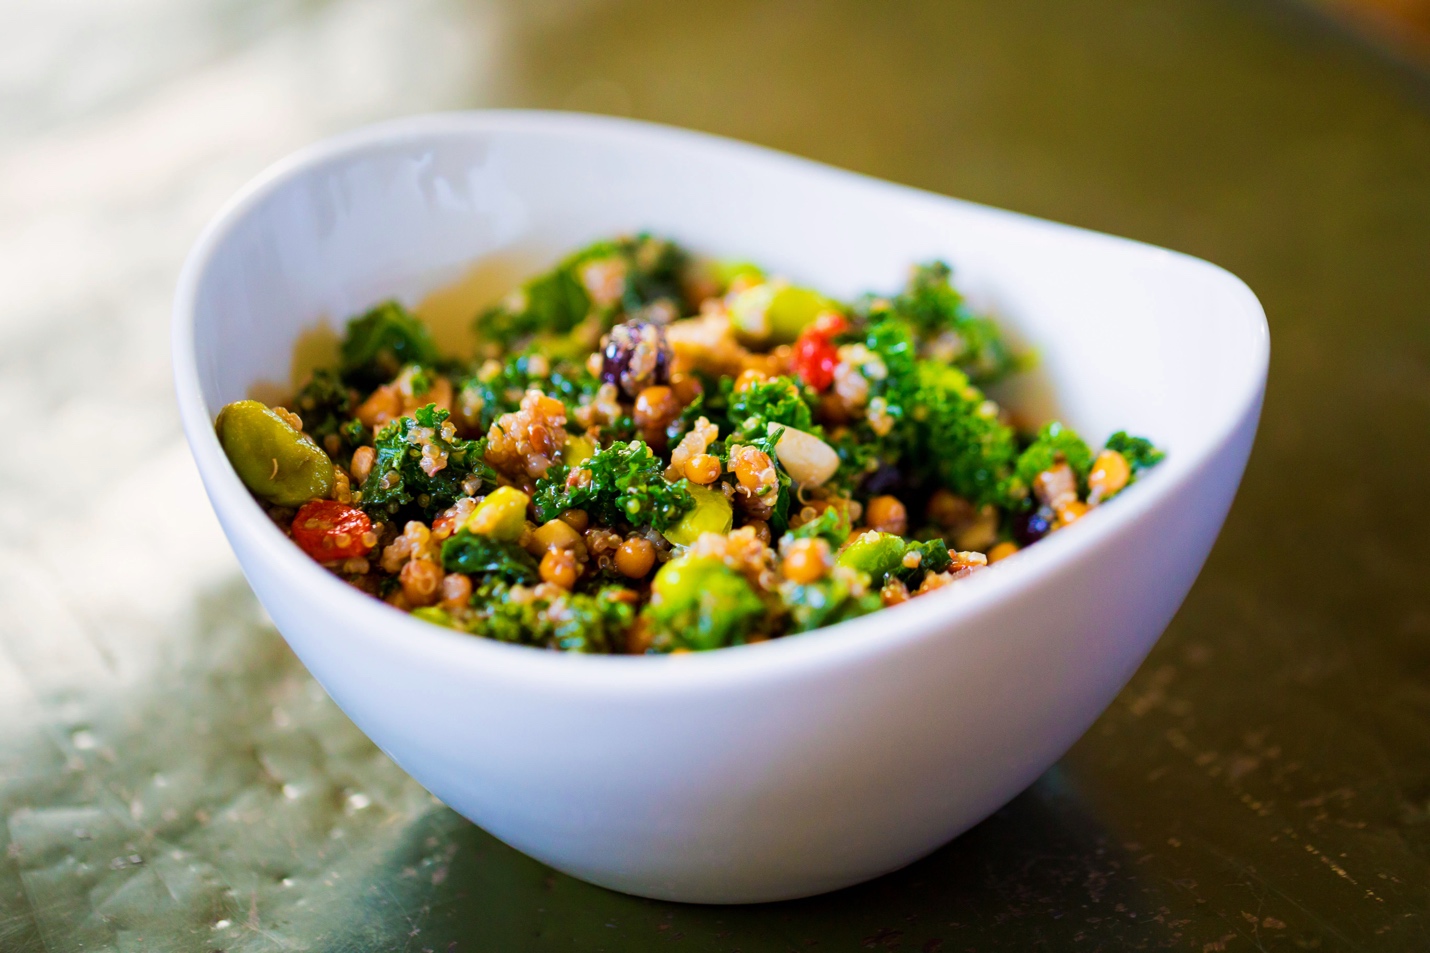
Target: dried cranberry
[[1032, 526]]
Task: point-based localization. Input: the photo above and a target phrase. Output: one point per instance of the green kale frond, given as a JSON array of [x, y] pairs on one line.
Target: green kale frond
[[1139, 452], [571, 622], [955, 333], [1054, 444], [777, 401], [832, 526], [381, 342], [485, 396], [398, 480], [957, 429], [826, 602], [647, 269], [623, 484], [479, 555], [326, 405]]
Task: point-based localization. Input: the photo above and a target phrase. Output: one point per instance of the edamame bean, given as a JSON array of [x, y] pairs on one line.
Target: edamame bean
[[275, 461]]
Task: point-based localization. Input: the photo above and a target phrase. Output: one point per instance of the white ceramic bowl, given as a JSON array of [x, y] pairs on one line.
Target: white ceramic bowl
[[775, 770]]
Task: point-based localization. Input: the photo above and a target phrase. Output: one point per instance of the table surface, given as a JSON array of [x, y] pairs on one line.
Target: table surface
[[172, 779]]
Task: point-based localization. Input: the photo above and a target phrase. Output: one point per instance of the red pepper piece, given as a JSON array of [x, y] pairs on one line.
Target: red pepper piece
[[329, 530], [814, 359]]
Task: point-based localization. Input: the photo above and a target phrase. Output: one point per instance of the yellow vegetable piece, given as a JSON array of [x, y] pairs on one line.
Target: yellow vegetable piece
[[502, 515], [712, 513]]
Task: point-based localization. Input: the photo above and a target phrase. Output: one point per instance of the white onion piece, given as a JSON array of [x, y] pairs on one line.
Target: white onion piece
[[804, 456]]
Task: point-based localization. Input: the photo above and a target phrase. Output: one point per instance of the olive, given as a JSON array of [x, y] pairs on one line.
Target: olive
[[276, 462], [712, 513], [1032, 526]]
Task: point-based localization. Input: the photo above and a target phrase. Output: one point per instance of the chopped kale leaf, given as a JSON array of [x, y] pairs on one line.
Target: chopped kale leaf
[[398, 478], [826, 602], [607, 280], [1054, 444], [1140, 453], [381, 342], [570, 622], [477, 554], [623, 484]]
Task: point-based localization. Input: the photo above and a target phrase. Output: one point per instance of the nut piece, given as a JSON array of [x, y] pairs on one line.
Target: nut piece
[[806, 458]]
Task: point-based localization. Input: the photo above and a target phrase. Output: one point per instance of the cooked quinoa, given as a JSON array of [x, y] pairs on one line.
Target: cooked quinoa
[[655, 453]]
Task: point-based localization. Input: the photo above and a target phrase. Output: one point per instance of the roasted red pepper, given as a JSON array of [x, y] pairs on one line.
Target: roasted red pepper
[[329, 530]]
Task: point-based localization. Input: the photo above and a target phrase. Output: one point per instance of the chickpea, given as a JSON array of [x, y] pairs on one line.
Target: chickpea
[[887, 514], [1001, 551], [1071, 512], [807, 561], [635, 557], [363, 458], [687, 387], [751, 468], [703, 468], [456, 591], [949, 510], [558, 567], [749, 378], [420, 580], [576, 519], [655, 407], [1109, 475]]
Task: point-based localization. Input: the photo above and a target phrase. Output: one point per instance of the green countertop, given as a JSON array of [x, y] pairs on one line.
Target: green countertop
[[171, 778]]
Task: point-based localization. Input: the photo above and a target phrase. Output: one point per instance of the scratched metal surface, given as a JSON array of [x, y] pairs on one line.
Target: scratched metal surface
[[170, 777]]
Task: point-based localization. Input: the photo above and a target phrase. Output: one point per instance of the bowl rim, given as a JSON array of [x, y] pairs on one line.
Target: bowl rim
[[930, 616]]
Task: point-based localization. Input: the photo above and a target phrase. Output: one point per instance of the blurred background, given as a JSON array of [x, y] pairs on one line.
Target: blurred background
[[171, 778]]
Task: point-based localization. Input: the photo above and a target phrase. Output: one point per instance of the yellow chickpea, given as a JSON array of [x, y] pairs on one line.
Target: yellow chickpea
[[558, 567], [635, 558], [807, 561], [576, 519], [703, 468], [1001, 551], [751, 467], [456, 591], [887, 514], [749, 378], [1109, 475]]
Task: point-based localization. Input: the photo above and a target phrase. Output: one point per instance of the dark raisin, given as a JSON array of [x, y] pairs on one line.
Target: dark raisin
[[635, 356], [1032, 526], [885, 480]]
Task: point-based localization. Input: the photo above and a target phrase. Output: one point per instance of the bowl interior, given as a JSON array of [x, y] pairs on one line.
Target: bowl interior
[[1128, 336]]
